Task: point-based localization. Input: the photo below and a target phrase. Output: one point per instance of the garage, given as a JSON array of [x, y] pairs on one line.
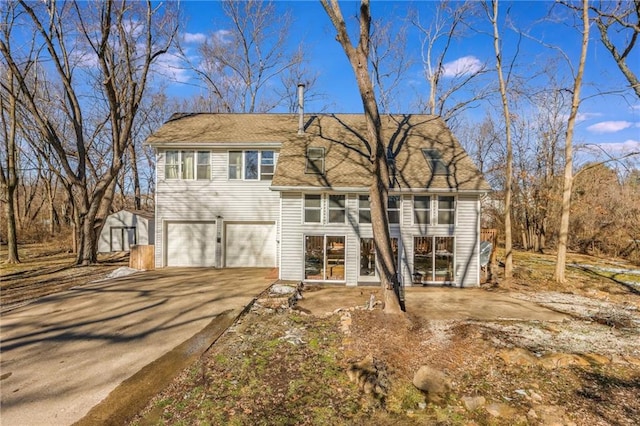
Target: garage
[[250, 244], [191, 243]]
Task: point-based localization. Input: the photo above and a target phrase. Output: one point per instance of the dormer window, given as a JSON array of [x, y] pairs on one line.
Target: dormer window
[[315, 161], [433, 157]]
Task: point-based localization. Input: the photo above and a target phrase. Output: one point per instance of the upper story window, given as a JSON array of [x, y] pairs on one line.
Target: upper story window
[[446, 210], [312, 208], [364, 209], [251, 165], [434, 158], [182, 165], [393, 209], [315, 161], [337, 208], [422, 209]]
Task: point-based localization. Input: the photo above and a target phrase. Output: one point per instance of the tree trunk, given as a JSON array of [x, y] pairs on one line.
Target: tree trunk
[[11, 182], [568, 152], [379, 190], [133, 158], [508, 244]]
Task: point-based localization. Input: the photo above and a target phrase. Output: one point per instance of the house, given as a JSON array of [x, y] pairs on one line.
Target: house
[[291, 191], [126, 228]]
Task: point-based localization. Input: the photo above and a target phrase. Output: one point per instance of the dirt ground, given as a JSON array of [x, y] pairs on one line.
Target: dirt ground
[[282, 365]]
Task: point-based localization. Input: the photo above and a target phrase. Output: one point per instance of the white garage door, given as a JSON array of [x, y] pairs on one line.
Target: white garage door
[[250, 245], [191, 243]]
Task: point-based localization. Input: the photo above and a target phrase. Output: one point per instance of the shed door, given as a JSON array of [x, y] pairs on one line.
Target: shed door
[[250, 245], [122, 237], [191, 243]]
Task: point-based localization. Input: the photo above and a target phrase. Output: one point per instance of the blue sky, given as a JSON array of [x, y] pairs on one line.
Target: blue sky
[[610, 120]]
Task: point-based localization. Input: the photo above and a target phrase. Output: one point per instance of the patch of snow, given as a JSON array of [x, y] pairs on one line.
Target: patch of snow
[[123, 271]]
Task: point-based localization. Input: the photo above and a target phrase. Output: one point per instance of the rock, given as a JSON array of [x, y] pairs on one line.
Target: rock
[[560, 360], [551, 415], [597, 359], [472, 403], [432, 381], [501, 410], [517, 356], [535, 397], [282, 289]]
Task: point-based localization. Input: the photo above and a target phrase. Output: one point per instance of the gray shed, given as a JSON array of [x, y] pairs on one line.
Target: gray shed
[[126, 228]]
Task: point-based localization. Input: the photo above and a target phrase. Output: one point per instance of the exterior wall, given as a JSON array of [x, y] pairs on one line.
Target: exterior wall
[[217, 199], [465, 231], [144, 229]]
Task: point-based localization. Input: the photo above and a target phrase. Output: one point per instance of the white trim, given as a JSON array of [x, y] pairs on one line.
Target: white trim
[[216, 145]]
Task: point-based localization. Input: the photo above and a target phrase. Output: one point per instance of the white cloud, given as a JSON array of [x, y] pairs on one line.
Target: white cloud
[[194, 38], [615, 148], [609, 126], [172, 67], [462, 66], [584, 116]]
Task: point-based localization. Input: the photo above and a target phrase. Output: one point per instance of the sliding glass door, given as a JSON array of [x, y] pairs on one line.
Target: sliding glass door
[[324, 258]]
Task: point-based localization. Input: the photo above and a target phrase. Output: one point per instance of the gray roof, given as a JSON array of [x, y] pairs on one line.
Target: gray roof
[[343, 137]]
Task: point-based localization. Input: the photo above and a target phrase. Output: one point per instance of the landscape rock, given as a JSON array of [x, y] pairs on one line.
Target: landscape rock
[[498, 409], [518, 356], [551, 415], [432, 381], [282, 289], [472, 403], [560, 360]]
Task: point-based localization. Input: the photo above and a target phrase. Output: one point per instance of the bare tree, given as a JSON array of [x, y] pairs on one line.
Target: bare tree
[[508, 238], [443, 28], [563, 234], [614, 18], [358, 56], [237, 64], [8, 168], [100, 56]]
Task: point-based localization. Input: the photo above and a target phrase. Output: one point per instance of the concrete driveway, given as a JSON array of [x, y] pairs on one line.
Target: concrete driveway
[[65, 353]]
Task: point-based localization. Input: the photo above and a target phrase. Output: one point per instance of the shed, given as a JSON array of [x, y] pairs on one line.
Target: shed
[[126, 228]]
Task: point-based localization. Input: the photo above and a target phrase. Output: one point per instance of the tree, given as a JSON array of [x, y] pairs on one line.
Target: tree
[[358, 56], [614, 18], [508, 244], [445, 26], [240, 65], [83, 106], [8, 169], [563, 234]]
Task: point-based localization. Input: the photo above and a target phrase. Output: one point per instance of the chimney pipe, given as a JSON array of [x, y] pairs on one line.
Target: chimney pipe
[[300, 108]]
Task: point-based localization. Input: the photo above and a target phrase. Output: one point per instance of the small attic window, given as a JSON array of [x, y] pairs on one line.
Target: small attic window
[[433, 157], [315, 161]]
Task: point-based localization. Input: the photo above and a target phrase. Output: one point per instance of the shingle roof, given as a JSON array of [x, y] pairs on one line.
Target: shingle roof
[[343, 137]]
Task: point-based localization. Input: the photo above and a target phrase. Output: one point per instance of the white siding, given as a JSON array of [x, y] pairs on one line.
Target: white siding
[[218, 199], [468, 241]]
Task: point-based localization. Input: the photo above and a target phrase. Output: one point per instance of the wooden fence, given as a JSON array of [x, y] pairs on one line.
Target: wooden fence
[[142, 257]]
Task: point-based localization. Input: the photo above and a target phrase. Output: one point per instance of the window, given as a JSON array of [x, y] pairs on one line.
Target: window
[[251, 165], [368, 256], [204, 165], [267, 165], [433, 259], [315, 161], [312, 208], [421, 210], [393, 209], [235, 164], [364, 209], [433, 157], [446, 210], [182, 165], [324, 258], [171, 166], [337, 209]]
